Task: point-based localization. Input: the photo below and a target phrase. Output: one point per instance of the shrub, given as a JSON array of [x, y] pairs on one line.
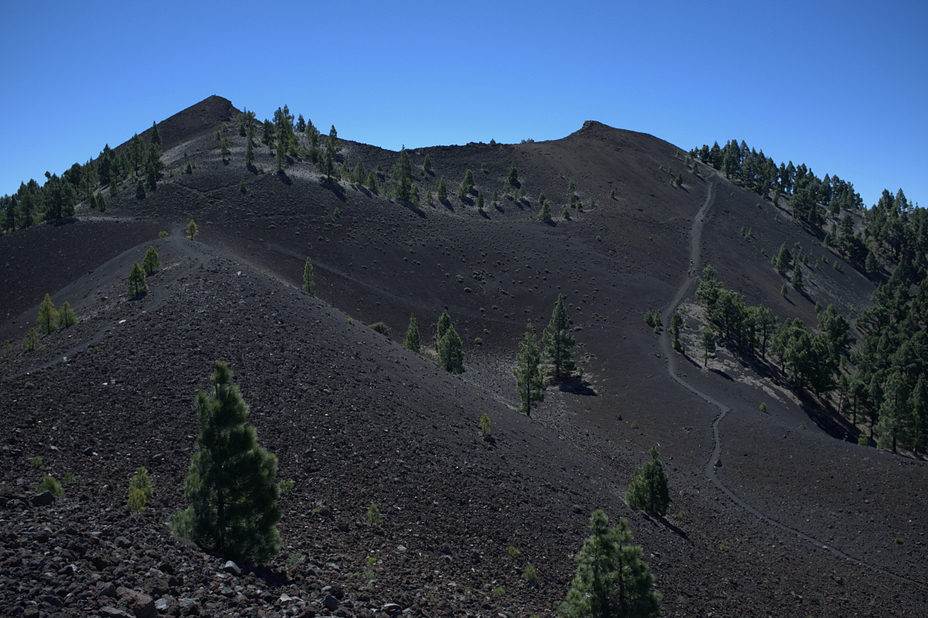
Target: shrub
[[163, 234], [513, 551], [499, 591], [529, 574], [37, 462], [68, 478], [50, 484], [285, 486], [140, 489], [381, 328]]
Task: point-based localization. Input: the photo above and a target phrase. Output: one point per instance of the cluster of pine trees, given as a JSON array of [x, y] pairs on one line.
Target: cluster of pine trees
[[449, 349], [890, 385], [809, 359], [886, 381], [32, 204], [554, 359], [760, 173]]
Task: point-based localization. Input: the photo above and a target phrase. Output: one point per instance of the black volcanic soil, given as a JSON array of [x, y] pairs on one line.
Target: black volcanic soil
[[355, 419]]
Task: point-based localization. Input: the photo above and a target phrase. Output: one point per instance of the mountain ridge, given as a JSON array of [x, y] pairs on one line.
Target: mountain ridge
[[356, 419]]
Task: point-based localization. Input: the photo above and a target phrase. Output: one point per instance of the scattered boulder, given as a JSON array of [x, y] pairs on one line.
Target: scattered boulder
[[330, 602], [46, 498], [232, 568], [142, 605]]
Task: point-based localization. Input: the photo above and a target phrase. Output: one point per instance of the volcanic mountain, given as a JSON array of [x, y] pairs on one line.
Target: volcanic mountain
[[775, 509]]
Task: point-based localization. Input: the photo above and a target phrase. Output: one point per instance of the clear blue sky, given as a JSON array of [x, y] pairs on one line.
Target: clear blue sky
[[839, 86]]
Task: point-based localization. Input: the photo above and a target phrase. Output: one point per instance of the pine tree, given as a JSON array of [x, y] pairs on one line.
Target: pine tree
[[140, 190], [403, 181], [427, 164], [48, 316], [66, 318], [512, 178], [233, 496], [558, 343], [612, 580], [918, 417], [31, 342], [796, 280], [648, 490], [784, 259], [442, 189], [411, 340], [155, 136], [467, 185], [151, 263], [448, 345], [192, 230], [309, 280], [893, 411], [707, 342], [530, 379], [676, 322], [249, 152], [137, 284], [442, 326], [545, 213], [871, 265]]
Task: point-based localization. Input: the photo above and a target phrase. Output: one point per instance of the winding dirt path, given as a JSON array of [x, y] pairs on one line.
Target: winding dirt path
[[715, 461]]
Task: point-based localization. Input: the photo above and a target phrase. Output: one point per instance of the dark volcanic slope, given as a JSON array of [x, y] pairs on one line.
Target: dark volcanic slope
[[355, 419]]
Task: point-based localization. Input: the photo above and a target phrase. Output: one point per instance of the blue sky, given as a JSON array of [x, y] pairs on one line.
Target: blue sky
[[839, 86]]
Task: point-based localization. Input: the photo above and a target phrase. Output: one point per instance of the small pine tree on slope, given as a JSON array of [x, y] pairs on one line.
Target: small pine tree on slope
[[233, 497], [137, 283], [448, 345], [309, 279], [411, 340], [558, 342], [48, 316], [648, 490], [529, 377], [612, 580], [151, 262]]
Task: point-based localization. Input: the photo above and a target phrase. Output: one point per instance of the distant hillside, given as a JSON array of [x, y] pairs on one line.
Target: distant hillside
[[775, 509]]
